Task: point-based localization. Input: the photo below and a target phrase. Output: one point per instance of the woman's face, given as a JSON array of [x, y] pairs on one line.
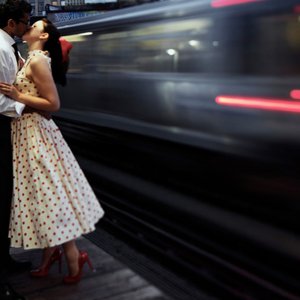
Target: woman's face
[[34, 32]]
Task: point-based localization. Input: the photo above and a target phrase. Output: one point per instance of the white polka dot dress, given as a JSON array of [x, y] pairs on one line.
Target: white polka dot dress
[[52, 201]]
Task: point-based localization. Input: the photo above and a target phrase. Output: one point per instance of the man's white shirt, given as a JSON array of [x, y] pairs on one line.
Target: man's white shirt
[[8, 71]]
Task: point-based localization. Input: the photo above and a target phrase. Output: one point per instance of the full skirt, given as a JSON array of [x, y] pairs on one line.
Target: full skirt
[[52, 200]]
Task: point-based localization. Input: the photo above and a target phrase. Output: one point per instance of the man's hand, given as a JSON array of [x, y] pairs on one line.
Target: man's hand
[[9, 90]]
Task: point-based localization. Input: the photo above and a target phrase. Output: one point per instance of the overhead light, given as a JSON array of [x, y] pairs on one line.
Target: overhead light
[[171, 51], [80, 37], [85, 33]]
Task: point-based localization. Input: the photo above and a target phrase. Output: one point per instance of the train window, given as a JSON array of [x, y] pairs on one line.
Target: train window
[[253, 45], [275, 46], [153, 48]]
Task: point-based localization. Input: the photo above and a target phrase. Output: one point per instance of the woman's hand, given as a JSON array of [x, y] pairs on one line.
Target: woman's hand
[[9, 90]]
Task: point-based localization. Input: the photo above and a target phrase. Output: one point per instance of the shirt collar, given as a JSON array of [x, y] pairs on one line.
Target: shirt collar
[[7, 37]]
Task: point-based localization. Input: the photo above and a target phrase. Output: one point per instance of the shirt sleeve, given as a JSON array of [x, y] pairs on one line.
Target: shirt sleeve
[[8, 107]]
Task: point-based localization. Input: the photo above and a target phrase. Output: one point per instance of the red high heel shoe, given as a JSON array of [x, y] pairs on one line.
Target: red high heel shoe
[[43, 272], [82, 259]]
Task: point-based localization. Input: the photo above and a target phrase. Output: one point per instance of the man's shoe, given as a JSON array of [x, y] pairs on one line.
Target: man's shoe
[[13, 265], [8, 293]]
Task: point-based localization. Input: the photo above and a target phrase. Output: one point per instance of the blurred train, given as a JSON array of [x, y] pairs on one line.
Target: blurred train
[[185, 116]]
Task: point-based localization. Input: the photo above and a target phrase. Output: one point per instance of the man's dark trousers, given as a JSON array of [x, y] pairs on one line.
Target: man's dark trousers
[[6, 188]]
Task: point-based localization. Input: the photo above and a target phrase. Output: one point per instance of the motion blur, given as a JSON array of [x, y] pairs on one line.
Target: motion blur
[[190, 113]]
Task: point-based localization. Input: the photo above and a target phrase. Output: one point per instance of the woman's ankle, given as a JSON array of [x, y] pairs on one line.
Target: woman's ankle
[[47, 253], [72, 257], [73, 268]]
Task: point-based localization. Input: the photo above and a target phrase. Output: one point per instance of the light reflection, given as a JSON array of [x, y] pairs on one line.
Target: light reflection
[[174, 53], [221, 3], [194, 43]]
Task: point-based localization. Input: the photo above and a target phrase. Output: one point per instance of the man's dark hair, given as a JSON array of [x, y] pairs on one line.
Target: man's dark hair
[[13, 9]]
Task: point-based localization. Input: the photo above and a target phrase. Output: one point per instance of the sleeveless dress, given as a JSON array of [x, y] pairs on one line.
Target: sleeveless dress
[[52, 201]]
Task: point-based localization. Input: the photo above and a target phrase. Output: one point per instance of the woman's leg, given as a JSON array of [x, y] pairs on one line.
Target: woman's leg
[[72, 257], [47, 253], [50, 256]]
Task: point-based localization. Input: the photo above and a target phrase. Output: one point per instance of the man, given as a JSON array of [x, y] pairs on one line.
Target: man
[[14, 21]]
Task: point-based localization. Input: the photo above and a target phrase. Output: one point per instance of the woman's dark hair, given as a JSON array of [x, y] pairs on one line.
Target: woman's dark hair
[[53, 46]]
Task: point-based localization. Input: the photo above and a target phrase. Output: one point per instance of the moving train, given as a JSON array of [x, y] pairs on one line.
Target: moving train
[[185, 116]]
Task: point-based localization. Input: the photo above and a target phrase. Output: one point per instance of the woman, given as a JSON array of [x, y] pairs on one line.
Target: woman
[[53, 203]]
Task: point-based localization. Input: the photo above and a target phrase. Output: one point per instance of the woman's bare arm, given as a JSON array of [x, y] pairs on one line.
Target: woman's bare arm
[[39, 72]]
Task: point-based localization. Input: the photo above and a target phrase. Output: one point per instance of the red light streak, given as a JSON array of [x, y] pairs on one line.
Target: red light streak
[[222, 3], [259, 103], [295, 94]]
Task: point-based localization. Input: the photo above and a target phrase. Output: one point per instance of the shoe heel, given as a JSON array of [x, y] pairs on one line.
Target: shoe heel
[[90, 264], [59, 265], [82, 259]]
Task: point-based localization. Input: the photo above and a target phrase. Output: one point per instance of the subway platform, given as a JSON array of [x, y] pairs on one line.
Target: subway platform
[[110, 280]]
